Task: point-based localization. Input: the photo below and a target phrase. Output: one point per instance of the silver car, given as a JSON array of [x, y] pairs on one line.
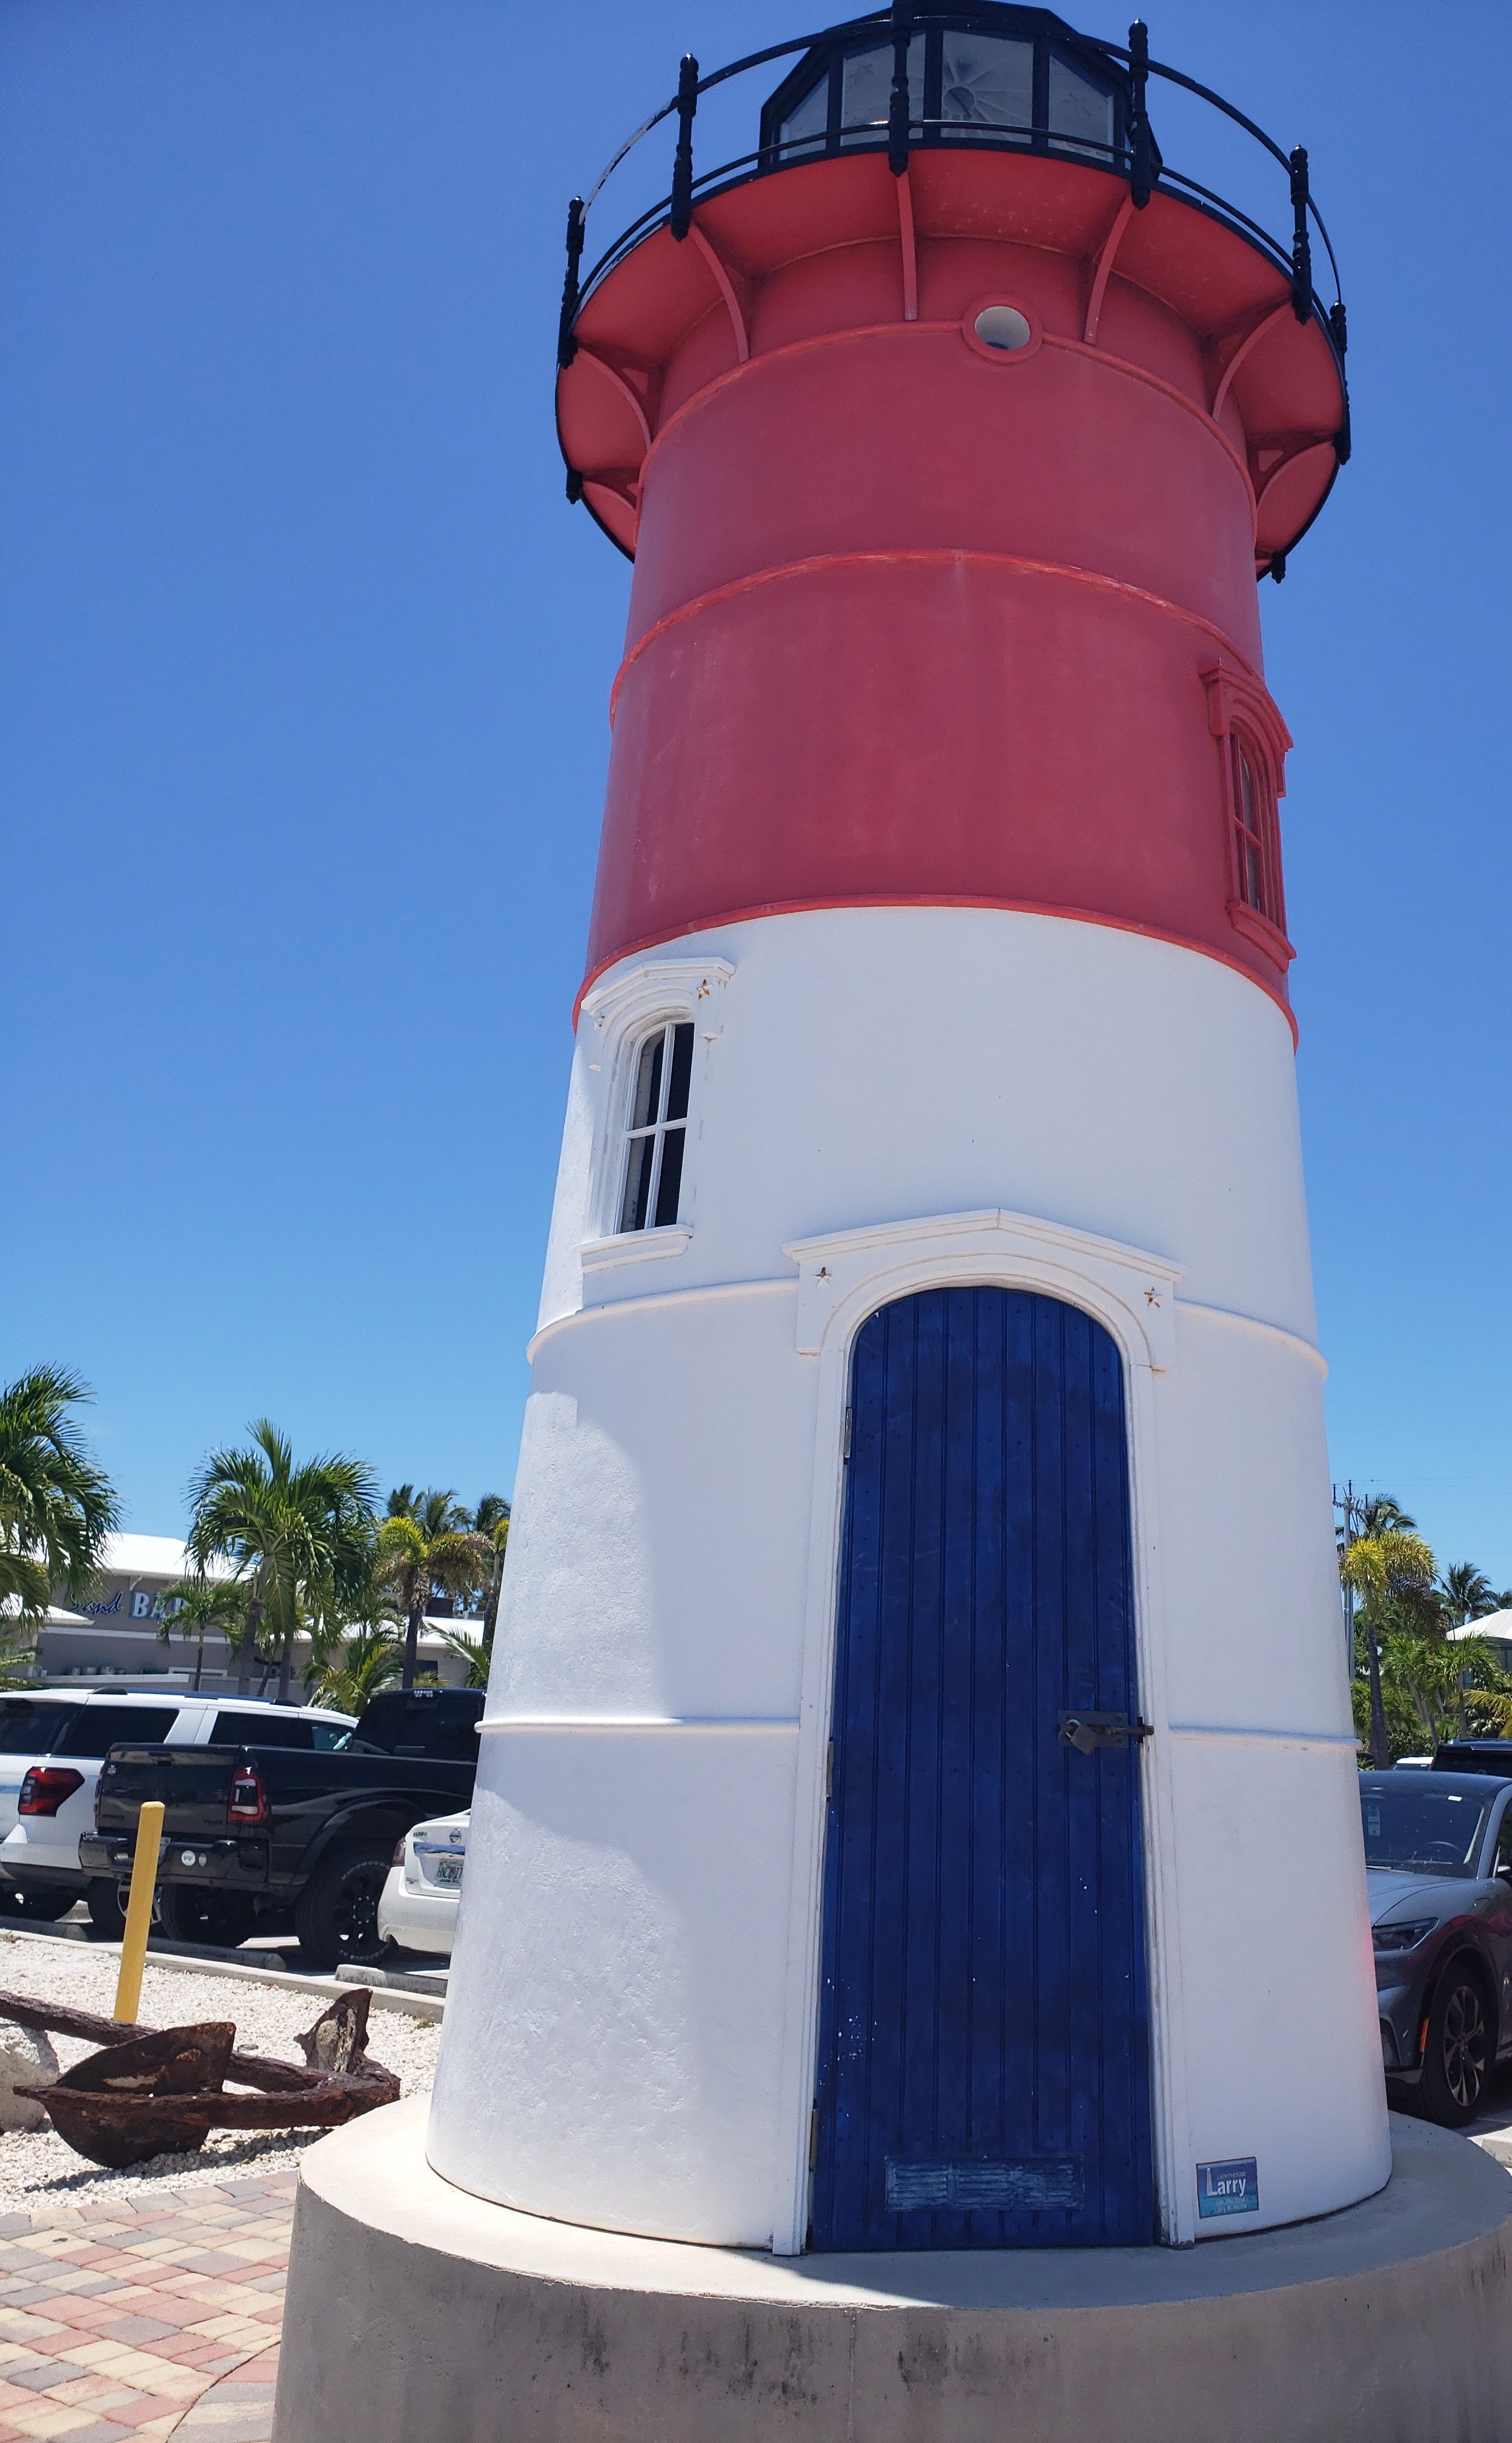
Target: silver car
[[1438, 1850]]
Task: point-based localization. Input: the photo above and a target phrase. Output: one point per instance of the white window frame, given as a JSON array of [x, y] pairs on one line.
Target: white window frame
[[657, 1132], [615, 1020]]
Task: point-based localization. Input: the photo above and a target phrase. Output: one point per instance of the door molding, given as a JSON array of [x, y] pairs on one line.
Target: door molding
[[843, 1278]]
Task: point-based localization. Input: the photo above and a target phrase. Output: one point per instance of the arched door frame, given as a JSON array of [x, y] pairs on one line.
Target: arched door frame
[[843, 1277]]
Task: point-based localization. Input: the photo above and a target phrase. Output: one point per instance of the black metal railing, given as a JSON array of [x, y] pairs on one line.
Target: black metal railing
[[1130, 153]]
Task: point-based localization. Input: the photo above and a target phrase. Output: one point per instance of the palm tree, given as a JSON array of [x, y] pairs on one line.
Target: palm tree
[[198, 1607], [1466, 1593], [427, 1542], [56, 1506], [357, 1668], [1443, 1682], [298, 1537], [1389, 1569], [491, 1518]]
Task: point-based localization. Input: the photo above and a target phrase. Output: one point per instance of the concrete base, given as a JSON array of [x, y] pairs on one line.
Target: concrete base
[[414, 2310]]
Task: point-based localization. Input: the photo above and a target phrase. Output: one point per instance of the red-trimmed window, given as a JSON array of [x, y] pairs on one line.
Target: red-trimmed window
[[1252, 744], [1256, 833]]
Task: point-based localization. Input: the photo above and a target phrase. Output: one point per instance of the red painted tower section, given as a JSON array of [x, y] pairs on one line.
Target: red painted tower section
[[916, 619]]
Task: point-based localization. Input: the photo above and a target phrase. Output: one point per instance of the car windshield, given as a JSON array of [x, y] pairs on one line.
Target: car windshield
[[1422, 1825]]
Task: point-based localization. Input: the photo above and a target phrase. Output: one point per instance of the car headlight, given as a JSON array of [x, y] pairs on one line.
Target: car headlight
[[1402, 1938]]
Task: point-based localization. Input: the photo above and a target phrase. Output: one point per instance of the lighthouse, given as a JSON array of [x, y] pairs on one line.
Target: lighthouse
[[916, 1803]]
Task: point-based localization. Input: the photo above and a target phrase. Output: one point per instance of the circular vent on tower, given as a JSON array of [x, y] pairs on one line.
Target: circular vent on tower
[[1001, 331]]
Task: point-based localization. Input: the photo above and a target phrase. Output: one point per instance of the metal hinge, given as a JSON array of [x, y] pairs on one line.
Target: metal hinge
[[829, 1770], [1086, 1732], [844, 1446], [813, 2139]]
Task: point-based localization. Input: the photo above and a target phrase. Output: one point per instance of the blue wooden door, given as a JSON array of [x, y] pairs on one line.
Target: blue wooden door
[[983, 2055]]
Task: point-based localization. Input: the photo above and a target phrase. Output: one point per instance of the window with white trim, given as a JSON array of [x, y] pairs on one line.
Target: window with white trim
[[656, 1136]]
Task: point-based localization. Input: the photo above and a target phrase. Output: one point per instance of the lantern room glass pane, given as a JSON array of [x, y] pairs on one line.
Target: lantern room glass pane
[[866, 90], [810, 123], [986, 81], [1079, 108]]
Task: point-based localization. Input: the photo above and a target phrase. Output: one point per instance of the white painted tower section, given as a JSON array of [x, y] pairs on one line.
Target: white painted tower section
[[886, 1099]]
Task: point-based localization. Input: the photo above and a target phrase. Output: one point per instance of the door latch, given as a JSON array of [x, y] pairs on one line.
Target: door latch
[[1086, 1731]]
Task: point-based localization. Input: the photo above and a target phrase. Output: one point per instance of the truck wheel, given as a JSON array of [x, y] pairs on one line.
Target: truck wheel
[[190, 1914], [106, 1914], [337, 1915]]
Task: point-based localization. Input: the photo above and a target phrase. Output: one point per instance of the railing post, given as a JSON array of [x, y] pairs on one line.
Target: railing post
[[1338, 325], [902, 26], [687, 102], [1141, 158], [566, 344], [1302, 251]]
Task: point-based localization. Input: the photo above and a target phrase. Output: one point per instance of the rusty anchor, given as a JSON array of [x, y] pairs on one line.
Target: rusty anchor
[[159, 2091]]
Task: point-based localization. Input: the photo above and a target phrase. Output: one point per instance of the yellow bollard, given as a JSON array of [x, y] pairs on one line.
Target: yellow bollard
[[139, 1910]]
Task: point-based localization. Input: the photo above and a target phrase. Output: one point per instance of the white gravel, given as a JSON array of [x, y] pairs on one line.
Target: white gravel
[[36, 2170]]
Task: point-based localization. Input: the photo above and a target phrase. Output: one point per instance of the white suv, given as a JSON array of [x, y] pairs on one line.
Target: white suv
[[52, 1744]]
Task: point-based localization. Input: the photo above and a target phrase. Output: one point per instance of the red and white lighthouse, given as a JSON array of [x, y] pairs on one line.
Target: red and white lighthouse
[[917, 1795]]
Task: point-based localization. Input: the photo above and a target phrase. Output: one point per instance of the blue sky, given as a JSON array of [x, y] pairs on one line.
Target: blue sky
[[303, 666]]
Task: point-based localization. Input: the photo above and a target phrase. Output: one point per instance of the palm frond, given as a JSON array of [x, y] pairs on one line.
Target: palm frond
[[57, 1506], [359, 1668], [476, 1652]]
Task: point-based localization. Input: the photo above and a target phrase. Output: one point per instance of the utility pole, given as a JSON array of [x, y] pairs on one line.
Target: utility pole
[[1345, 1507], [1352, 1507]]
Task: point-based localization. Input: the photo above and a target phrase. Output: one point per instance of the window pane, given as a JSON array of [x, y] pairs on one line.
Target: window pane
[[671, 1179], [638, 1182], [1078, 107], [1251, 865], [261, 1731], [648, 1081], [677, 1098], [95, 1728], [29, 1729], [865, 89], [1246, 792], [985, 82], [810, 118]]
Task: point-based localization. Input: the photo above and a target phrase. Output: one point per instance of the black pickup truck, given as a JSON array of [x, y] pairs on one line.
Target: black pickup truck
[[264, 1836]]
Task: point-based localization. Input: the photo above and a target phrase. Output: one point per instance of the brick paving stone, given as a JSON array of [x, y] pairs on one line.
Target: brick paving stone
[[238, 2409], [118, 2324]]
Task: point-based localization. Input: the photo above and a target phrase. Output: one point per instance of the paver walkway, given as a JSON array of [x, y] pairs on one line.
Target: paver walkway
[[145, 2319]]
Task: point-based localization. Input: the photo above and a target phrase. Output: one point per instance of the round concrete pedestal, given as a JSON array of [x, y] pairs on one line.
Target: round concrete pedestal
[[415, 2310]]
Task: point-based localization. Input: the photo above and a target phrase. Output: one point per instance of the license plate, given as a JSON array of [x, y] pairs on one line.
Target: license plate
[[448, 1870]]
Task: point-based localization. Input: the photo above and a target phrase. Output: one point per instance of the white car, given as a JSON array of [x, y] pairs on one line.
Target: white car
[[52, 1744], [418, 1909]]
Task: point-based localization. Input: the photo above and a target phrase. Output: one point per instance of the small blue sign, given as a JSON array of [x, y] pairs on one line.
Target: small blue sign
[[1229, 2188]]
